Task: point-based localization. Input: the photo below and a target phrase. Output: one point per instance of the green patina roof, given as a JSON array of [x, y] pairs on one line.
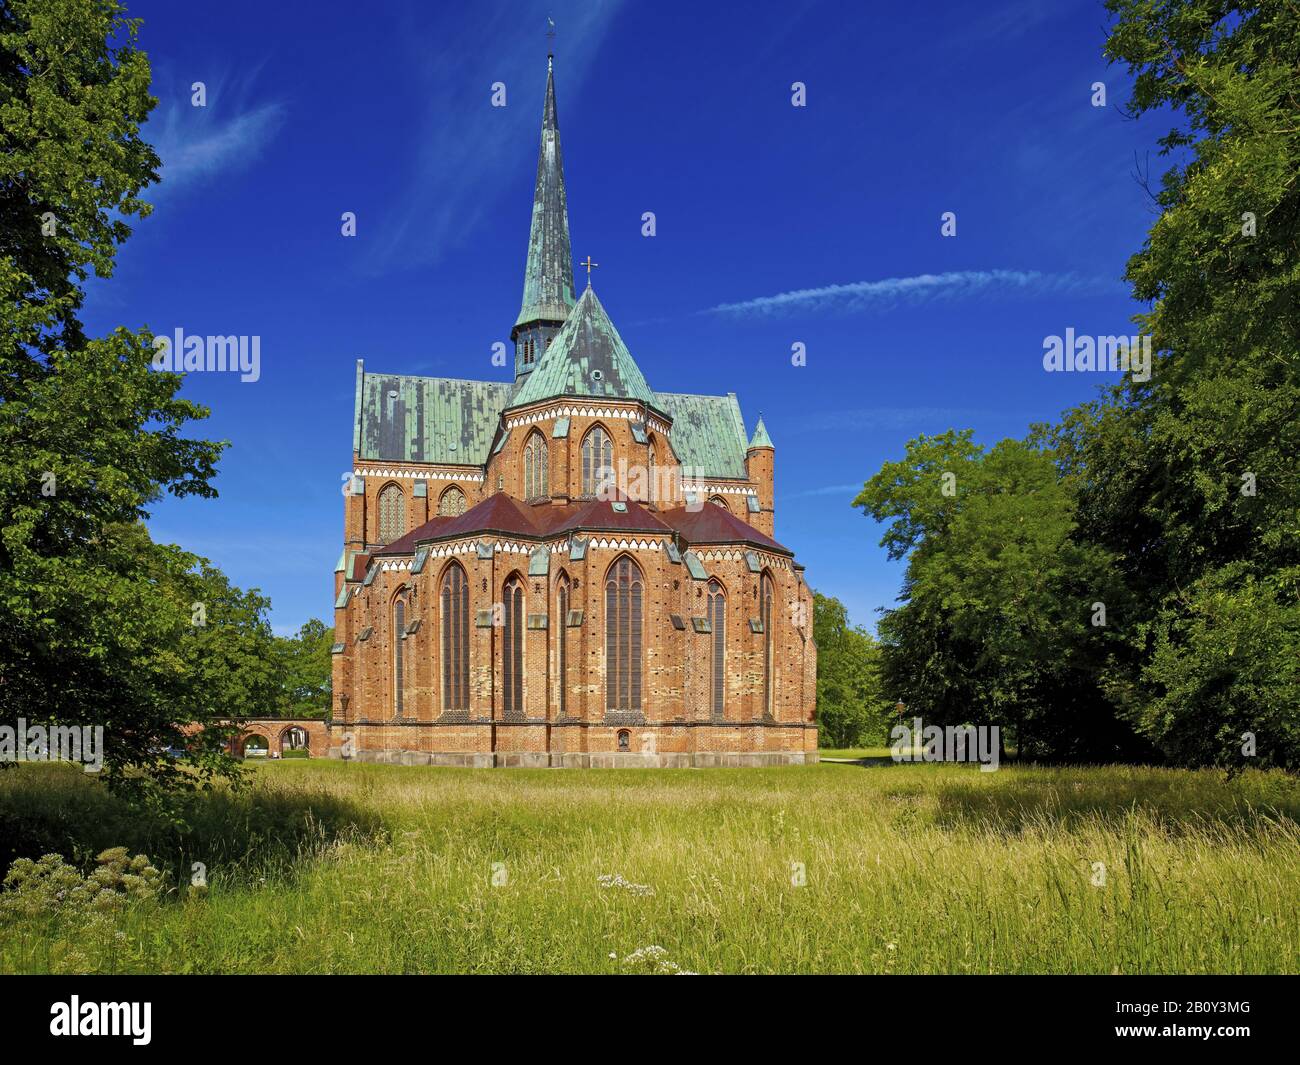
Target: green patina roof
[[586, 358], [548, 274], [708, 432], [402, 418], [760, 438]]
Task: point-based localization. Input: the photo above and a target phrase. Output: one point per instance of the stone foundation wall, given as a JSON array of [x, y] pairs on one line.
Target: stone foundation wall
[[578, 745]]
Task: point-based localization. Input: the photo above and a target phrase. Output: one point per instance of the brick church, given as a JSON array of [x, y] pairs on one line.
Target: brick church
[[567, 568]]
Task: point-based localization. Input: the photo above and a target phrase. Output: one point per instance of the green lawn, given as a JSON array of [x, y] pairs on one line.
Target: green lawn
[[325, 867]]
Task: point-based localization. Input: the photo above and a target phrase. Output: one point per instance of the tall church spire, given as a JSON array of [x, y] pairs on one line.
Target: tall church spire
[[548, 273]]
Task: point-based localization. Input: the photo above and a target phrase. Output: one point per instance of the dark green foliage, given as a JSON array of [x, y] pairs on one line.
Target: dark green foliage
[[1176, 502], [59, 809], [306, 665], [99, 625], [850, 707], [996, 626]]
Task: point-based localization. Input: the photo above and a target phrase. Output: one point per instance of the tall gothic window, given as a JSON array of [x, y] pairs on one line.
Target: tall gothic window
[[455, 639], [399, 655], [767, 614], [451, 502], [718, 656], [535, 472], [623, 597], [392, 514], [650, 492], [597, 460], [562, 642], [512, 649]]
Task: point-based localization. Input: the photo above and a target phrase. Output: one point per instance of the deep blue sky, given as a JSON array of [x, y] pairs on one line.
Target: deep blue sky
[[682, 109]]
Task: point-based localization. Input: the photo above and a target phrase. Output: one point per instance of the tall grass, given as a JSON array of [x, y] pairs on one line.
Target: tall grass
[[322, 867]]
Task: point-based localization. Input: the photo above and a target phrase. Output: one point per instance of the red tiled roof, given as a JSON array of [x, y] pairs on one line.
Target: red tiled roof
[[502, 513], [711, 524], [599, 514], [404, 545]]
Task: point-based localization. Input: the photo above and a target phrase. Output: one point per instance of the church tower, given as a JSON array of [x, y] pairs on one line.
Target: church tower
[[548, 273]]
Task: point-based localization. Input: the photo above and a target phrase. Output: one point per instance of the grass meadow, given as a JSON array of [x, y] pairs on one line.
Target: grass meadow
[[322, 867]]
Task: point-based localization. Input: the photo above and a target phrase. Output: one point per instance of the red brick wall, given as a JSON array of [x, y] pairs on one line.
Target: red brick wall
[[676, 725]]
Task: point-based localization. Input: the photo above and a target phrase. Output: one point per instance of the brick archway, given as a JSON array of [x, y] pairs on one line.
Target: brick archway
[[312, 735]]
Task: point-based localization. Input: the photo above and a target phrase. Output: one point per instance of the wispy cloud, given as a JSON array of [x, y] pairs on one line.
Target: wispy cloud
[[849, 490], [200, 144], [860, 296], [466, 152]]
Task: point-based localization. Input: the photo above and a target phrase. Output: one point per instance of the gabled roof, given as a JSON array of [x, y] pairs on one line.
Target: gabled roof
[[711, 524], [599, 515], [503, 514], [498, 513], [708, 433], [586, 358], [403, 418], [548, 272], [404, 545]]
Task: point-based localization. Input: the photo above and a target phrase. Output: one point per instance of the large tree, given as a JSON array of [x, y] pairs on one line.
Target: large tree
[[1190, 478], [1174, 501], [1005, 619], [850, 703], [96, 621], [307, 671]]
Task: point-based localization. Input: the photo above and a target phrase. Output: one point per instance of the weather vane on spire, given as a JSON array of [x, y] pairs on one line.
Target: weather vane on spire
[[550, 34], [589, 265]]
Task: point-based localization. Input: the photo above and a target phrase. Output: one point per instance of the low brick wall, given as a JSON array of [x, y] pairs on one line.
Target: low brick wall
[[275, 730]]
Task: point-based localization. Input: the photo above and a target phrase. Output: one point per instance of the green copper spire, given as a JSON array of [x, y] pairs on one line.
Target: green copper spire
[[548, 275], [761, 439]]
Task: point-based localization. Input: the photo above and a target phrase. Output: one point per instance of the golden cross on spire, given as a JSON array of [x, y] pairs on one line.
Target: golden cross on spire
[[589, 265]]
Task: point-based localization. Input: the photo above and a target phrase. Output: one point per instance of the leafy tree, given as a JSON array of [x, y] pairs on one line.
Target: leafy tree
[[849, 703], [72, 164], [1190, 478], [307, 671], [999, 622], [1175, 500], [96, 621]]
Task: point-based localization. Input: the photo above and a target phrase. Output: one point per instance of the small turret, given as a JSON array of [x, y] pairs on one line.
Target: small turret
[[760, 467]]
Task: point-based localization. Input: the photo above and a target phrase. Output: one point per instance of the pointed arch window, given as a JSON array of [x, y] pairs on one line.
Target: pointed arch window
[[455, 639], [597, 461], [767, 614], [650, 491], [718, 501], [392, 513], [399, 655], [512, 649], [451, 502], [717, 614], [624, 592], [535, 469], [562, 642]]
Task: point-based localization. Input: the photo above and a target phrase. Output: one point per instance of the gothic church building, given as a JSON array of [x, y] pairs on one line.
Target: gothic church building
[[568, 568]]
